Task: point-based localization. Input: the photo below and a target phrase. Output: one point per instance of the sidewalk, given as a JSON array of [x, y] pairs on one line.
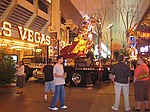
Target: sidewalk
[[99, 98]]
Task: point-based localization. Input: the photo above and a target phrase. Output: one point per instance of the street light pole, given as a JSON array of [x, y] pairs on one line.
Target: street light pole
[[58, 46], [99, 42], [111, 45], [111, 39]]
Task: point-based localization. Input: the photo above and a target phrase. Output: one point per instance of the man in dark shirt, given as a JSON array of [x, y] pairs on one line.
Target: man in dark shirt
[[49, 83], [90, 55], [121, 73]]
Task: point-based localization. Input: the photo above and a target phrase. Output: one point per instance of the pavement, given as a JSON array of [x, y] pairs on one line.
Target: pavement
[[98, 98]]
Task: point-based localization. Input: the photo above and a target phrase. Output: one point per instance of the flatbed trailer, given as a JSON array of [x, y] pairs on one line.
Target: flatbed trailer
[[78, 75], [83, 72], [81, 76]]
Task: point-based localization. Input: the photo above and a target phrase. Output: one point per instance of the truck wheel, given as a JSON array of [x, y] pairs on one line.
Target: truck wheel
[[78, 79], [67, 80], [27, 78], [27, 72]]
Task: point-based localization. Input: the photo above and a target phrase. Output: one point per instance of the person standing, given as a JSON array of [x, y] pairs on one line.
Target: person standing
[[90, 55], [121, 74], [59, 81], [141, 85], [20, 77], [49, 79]]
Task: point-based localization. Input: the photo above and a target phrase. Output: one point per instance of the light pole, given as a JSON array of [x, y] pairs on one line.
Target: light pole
[[99, 42], [111, 39], [58, 46]]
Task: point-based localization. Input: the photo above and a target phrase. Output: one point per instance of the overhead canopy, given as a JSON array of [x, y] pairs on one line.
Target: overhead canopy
[[144, 24], [113, 15]]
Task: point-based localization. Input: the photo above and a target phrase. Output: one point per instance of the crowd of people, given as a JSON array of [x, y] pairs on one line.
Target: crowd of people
[[120, 76], [54, 81]]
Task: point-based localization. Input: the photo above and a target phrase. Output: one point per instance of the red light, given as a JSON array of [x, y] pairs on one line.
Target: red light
[[99, 69]]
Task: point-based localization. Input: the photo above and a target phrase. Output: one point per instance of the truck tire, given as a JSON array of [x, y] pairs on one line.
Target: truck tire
[[27, 78], [27, 72], [67, 80], [78, 79]]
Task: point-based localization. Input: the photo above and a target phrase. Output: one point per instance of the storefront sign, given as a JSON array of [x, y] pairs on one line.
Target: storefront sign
[[143, 34], [26, 34]]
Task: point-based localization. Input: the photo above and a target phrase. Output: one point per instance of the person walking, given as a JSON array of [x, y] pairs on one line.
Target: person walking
[[49, 79], [121, 75], [141, 85], [20, 77], [59, 81]]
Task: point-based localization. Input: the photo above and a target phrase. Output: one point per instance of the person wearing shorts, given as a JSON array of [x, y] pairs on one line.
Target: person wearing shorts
[[49, 83], [141, 86]]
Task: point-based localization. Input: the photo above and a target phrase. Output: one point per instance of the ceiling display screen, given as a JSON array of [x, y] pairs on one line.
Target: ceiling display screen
[[14, 57], [144, 49]]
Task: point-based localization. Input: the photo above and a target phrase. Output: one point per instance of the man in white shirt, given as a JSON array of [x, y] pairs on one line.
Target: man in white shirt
[[59, 81]]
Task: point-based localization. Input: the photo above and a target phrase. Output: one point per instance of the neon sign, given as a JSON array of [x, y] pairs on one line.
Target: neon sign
[[26, 34]]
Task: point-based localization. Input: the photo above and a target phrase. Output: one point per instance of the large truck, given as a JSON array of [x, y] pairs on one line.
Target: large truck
[[80, 70], [80, 73], [32, 64]]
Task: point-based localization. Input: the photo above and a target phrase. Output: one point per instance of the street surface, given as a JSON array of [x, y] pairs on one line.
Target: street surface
[[98, 98]]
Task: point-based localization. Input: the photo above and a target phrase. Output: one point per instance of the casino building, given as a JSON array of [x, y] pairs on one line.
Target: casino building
[[35, 30]]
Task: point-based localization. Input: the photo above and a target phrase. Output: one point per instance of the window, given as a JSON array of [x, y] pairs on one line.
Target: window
[[43, 6], [14, 57], [30, 1], [63, 20]]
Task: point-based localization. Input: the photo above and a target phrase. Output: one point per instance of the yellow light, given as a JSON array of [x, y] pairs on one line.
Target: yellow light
[[110, 25], [93, 16], [3, 44], [17, 47], [38, 50], [30, 48], [18, 42], [7, 40]]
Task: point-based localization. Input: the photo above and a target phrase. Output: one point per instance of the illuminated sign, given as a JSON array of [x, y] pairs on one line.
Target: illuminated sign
[[49, 1], [143, 34], [133, 41], [26, 34], [144, 49], [6, 30]]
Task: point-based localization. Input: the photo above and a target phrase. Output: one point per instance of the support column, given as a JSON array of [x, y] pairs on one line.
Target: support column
[[67, 36], [33, 17], [56, 18]]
